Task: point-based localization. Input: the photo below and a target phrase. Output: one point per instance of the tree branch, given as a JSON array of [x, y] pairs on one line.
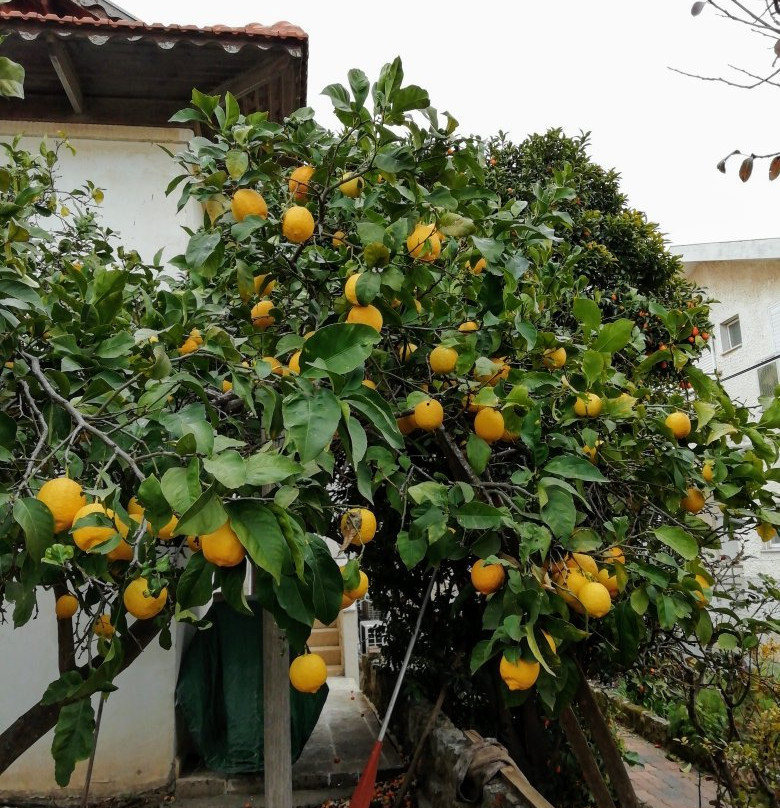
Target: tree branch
[[35, 369]]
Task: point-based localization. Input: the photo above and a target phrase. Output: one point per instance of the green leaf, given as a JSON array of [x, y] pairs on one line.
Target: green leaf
[[327, 586], [73, 738], [11, 78], [191, 420], [535, 650], [614, 336], [704, 627], [628, 632], [236, 163], [37, 523], [679, 540], [411, 550], [574, 467], [704, 413], [311, 420], [478, 453], [640, 600], [227, 468], [587, 312], [357, 438], [719, 430], [196, 583], [181, 486], [201, 247], [116, 346], [265, 468], [339, 348], [408, 98], [559, 513], [259, 532], [378, 413], [593, 365], [156, 508], [667, 614], [360, 86], [205, 515], [366, 289], [478, 516]]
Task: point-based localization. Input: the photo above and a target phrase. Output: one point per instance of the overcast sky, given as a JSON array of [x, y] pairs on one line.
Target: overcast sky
[[600, 66]]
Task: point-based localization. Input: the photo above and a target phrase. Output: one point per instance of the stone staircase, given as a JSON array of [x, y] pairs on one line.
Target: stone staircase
[[326, 641]]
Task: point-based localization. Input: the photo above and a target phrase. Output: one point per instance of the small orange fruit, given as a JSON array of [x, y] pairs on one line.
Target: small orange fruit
[[693, 501], [66, 606], [487, 578], [679, 423], [298, 184], [308, 673], [443, 360], [367, 315], [589, 406]]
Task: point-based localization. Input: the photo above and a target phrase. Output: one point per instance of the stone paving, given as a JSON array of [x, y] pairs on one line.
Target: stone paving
[[660, 782]]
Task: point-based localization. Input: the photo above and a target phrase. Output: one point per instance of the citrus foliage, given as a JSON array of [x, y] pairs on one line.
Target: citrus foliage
[[257, 399]]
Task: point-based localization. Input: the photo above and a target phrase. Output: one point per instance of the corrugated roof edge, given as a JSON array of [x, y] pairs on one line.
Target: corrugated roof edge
[[279, 30]]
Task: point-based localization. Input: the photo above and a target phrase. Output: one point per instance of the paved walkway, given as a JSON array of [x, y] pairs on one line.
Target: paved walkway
[[330, 766], [660, 782]]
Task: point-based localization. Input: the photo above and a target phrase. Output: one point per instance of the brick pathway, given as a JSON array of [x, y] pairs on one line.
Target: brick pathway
[[660, 783]]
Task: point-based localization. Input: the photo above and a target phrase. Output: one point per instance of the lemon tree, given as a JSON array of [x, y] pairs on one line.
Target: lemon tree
[[365, 341]]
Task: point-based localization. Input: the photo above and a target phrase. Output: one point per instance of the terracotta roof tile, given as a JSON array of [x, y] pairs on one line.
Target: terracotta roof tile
[[278, 30]]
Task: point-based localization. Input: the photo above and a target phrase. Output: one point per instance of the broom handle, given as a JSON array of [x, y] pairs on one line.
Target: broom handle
[[405, 663]]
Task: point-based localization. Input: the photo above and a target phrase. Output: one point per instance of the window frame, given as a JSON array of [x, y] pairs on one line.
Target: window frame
[[725, 334]]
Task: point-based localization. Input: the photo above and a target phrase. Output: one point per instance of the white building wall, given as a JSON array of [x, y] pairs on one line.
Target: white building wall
[[136, 747], [129, 165], [748, 288]]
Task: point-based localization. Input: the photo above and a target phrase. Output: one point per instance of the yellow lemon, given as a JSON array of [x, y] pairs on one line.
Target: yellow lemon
[[367, 315], [423, 243], [247, 202], [554, 358], [261, 319], [443, 360], [679, 423], [693, 501], [595, 599], [298, 184], [489, 424], [64, 498], [358, 525], [140, 603], [222, 547], [590, 406], [487, 579], [352, 188], [520, 675], [308, 673], [360, 589], [429, 415], [297, 224]]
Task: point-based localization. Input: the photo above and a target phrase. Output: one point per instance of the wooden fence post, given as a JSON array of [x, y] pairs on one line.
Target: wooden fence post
[[277, 751]]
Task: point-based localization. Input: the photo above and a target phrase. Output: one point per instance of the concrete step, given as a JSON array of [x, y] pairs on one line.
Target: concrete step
[[335, 670], [330, 653], [334, 624], [323, 636]]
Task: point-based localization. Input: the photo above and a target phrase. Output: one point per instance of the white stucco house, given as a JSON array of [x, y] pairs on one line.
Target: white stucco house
[[743, 278], [110, 83]]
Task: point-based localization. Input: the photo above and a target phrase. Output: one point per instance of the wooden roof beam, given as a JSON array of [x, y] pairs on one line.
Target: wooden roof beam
[[254, 78], [66, 73]]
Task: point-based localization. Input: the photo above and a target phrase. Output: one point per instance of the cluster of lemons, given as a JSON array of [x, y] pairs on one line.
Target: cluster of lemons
[[68, 505]]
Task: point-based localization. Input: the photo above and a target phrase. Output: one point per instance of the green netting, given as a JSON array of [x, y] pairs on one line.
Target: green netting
[[219, 694]]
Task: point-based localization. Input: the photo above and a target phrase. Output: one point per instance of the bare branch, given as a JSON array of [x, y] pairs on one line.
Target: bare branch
[[35, 369]]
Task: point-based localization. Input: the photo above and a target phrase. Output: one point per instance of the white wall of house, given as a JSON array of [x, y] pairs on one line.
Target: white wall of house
[[136, 748], [129, 165], [743, 278]]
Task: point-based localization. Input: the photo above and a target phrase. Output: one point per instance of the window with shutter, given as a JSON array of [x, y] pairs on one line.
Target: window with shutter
[[706, 362], [731, 334], [767, 379]]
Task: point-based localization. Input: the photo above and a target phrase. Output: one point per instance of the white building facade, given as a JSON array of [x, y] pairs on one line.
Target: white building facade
[[743, 279]]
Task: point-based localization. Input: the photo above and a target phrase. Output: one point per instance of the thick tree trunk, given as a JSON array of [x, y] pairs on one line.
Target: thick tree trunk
[[590, 769], [602, 737], [40, 718]]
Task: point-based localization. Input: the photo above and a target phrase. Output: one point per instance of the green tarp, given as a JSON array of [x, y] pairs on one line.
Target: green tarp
[[219, 694]]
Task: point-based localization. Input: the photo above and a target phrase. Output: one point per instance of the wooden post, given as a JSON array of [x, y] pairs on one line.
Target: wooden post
[[277, 745]]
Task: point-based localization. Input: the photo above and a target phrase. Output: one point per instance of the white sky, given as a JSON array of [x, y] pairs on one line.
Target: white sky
[[527, 65]]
